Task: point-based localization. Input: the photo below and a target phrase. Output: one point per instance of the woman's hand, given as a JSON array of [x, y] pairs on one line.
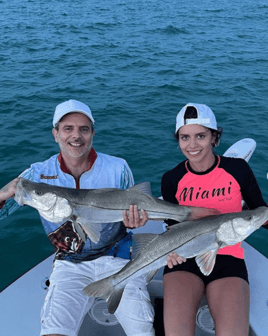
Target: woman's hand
[[133, 219], [173, 259]]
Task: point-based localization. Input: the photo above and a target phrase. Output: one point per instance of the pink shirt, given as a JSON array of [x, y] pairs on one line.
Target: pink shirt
[[221, 187], [216, 189]]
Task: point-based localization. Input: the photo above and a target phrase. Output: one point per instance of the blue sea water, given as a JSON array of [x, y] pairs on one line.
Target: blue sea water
[[135, 63]]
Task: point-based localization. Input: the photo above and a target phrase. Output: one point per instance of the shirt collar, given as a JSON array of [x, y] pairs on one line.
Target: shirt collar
[[92, 158], [215, 164]]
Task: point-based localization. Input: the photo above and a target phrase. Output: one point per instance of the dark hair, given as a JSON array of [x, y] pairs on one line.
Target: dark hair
[[191, 113]]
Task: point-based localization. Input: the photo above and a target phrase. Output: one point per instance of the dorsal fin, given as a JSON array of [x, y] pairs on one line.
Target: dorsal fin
[[144, 187], [140, 240]]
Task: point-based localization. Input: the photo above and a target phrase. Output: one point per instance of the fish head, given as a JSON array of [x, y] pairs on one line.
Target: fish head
[[33, 194], [41, 197], [242, 225], [251, 221]]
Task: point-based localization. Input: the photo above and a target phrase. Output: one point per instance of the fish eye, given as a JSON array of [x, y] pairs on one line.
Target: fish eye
[[39, 193]]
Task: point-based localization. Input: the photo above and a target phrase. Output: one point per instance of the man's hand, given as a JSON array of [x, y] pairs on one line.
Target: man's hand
[[133, 219], [173, 259], [8, 190]]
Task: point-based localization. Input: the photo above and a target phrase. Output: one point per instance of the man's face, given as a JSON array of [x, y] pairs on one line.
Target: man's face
[[74, 136]]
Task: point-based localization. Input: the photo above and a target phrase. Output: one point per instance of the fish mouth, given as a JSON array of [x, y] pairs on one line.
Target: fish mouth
[[20, 195], [26, 196]]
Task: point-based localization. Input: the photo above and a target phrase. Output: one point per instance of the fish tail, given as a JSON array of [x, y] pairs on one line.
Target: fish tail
[[106, 290], [101, 288]]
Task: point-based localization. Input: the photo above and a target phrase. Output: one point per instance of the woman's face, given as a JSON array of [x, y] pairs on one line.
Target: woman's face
[[195, 142]]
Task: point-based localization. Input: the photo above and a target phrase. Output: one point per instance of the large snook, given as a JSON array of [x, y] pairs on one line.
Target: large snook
[[92, 207], [200, 238]]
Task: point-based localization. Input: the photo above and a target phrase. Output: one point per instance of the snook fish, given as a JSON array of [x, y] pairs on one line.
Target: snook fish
[[200, 238], [92, 207]]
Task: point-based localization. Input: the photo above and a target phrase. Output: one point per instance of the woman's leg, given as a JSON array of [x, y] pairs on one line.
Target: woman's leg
[[228, 300], [183, 292]]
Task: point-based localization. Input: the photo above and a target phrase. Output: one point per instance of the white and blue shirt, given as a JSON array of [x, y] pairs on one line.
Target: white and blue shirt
[[105, 172]]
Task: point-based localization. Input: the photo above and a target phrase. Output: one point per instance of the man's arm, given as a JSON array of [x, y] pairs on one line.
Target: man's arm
[[7, 204], [8, 190]]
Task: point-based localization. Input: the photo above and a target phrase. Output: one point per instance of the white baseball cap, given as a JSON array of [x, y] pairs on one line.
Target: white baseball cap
[[71, 106], [205, 117]]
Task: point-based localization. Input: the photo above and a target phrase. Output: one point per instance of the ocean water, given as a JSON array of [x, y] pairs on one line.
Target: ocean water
[[135, 63]]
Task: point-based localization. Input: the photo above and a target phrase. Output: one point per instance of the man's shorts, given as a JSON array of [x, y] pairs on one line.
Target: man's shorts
[[225, 266], [66, 305]]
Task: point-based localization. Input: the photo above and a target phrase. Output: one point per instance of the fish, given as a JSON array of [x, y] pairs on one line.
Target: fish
[[90, 208], [199, 238]]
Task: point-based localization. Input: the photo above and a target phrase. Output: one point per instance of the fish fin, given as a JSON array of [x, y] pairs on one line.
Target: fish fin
[[206, 261], [144, 187], [92, 230], [177, 225], [79, 230], [106, 290], [140, 240], [101, 288], [114, 300], [151, 275]]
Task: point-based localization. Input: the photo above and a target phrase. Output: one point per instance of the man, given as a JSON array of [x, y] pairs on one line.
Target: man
[[77, 263]]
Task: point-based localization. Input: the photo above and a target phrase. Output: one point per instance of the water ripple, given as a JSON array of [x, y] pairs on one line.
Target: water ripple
[[135, 63]]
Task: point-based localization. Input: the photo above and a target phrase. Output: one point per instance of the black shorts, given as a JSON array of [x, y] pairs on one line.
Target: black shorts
[[225, 266]]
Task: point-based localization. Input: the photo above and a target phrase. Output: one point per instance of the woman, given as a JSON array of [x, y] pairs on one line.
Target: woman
[[211, 181]]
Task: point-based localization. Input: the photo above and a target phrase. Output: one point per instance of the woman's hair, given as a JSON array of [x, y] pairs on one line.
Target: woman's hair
[[191, 113]]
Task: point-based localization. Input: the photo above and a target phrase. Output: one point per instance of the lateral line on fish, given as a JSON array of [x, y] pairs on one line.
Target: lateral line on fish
[[171, 250]]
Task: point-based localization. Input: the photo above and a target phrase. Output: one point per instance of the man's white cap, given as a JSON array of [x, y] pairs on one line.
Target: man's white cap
[[71, 106], [205, 117]]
